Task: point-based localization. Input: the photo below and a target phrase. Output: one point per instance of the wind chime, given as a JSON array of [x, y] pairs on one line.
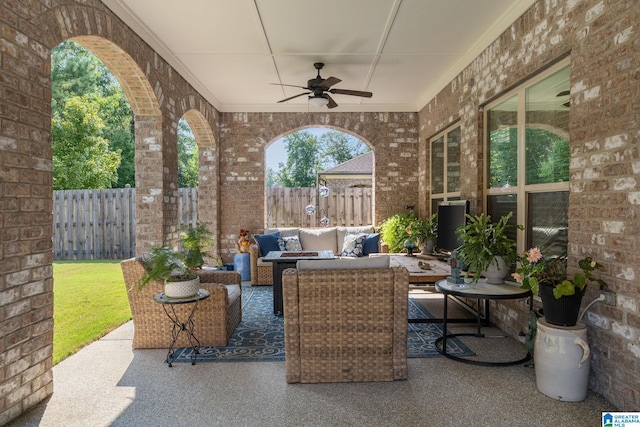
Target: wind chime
[[323, 192]]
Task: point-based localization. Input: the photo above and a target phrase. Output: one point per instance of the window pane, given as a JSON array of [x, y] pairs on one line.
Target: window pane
[[437, 166], [547, 130], [503, 143], [547, 223], [499, 206], [453, 160]]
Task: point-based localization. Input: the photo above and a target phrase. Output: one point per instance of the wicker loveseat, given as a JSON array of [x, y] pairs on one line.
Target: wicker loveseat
[[344, 325], [311, 239], [215, 318]]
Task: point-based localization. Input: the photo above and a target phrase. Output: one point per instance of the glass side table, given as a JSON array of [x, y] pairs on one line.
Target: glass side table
[[186, 325]]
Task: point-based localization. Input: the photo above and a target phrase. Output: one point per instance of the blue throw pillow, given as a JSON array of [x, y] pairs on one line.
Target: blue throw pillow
[[267, 242], [371, 243]]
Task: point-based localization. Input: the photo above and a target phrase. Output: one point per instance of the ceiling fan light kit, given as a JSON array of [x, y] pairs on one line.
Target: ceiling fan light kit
[[318, 101], [320, 88]]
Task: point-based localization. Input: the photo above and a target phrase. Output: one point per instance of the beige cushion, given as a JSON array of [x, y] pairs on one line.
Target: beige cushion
[[319, 239], [233, 293], [344, 264], [284, 232], [351, 230]]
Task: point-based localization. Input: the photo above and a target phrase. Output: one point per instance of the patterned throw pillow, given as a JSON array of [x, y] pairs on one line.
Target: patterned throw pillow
[[353, 245], [291, 243]]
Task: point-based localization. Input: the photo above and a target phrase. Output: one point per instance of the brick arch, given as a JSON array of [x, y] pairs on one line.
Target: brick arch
[[340, 129], [134, 83], [317, 126], [208, 183]]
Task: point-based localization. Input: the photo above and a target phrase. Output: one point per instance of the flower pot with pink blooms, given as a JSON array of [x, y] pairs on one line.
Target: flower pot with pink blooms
[[561, 295]]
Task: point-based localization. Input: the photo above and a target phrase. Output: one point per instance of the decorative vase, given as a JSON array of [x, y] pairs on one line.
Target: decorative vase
[[562, 311], [182, 289], [427, 247], [496, 272]]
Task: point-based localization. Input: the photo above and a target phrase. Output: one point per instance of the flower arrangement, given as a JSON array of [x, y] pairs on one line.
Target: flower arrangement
[[535, 270]]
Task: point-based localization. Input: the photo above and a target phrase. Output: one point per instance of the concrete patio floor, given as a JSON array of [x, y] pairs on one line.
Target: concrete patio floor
[[109, 384]]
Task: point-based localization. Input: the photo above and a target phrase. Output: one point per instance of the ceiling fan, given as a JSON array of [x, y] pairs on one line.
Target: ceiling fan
[[320, 88]]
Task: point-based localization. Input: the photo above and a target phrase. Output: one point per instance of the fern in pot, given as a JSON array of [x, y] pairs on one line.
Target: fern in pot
[[487, 250], [178, 269]]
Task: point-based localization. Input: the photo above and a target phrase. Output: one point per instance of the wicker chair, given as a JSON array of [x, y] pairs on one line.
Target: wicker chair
[[215, 319], [346, 325]]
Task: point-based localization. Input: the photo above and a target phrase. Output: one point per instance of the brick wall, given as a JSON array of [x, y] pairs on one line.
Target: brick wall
[[601, 36], [602, 39], [245, 136]]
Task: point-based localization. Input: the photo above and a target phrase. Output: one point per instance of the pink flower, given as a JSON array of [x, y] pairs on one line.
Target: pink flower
[[518, 277], [534, 255]]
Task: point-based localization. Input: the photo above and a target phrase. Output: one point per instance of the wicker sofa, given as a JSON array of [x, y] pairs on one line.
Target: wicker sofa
[[345, 324], [215, 318], [311, 239]]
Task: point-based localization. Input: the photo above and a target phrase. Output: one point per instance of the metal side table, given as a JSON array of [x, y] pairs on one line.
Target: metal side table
[[187, 325], [479, 291]]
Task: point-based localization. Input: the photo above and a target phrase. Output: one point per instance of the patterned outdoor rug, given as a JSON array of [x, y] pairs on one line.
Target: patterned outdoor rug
[[260, 335]]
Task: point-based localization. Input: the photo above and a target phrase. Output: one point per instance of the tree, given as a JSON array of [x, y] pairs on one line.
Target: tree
[[338, 147], [308, 154], [77, 72], [303, 160], [81, 157], [272, 177], [187, 156]]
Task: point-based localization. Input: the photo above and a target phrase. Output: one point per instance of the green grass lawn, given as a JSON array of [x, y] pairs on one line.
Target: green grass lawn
[[89, 301]]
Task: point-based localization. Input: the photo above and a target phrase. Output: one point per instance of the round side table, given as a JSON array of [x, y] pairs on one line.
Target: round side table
[[186, 325]]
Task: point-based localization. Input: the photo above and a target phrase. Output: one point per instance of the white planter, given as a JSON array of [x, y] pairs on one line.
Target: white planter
[[182, 289], [561, 358], [496, 273]]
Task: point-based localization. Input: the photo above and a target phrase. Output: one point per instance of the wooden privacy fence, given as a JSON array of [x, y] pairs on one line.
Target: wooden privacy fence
[[100, 224], [285, 207]]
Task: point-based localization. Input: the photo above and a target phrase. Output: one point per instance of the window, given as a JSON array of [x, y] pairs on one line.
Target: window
[[528, 159], [445, 167]]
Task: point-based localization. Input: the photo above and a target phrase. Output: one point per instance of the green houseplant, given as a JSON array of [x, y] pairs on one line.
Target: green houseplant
[[400, 228], [486, 245], [561, 294], [178, 268], [195, 241], [424, 231]]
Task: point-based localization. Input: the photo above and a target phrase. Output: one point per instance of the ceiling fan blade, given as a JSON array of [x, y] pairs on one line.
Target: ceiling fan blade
[[330, 82], [282, 84], [332, 103], [294, 96], [351, 92]]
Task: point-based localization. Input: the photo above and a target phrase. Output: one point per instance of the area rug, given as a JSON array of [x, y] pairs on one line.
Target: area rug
[[260, 335]]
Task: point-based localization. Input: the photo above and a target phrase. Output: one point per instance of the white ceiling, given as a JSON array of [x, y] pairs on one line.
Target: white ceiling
[[404, 51]]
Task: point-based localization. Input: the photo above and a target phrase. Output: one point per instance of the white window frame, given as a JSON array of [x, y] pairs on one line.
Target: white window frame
[[445, 195], [521, 190]]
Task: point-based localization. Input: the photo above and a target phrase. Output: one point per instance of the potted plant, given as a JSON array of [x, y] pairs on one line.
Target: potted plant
[[401, 231], [487, 250], [561, 295], [178, 268], [424, 231], [394, 231], [195, 241]]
